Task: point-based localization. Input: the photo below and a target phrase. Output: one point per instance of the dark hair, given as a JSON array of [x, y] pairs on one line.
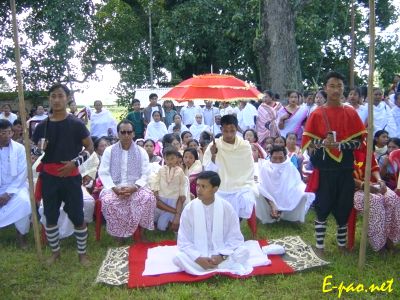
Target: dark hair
[[177, 115], [378, 134], [396, 95], [170, 151], [356, 90], [270, 93], [278, 149], [205, 138], [169, 138], [309, 93], [125, 121], [185, 132], [4, 124], [282, 137], [70, 102], [333, 74], [212, 177], [152, 95], [176, 127], [135, 101], [254, 133], [323, 93], [228, 120], [97, 141], [97, 101], [154, 112], [218, 135], [193, 151], [58, 86], [193, 140], [289, 133], [172, 106], [17, 122], [395, 140], [289, 92], [150, 140], [6, 104]]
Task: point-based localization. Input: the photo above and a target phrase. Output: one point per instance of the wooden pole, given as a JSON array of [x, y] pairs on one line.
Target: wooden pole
[[352, 48], [367, 178], [27, 143]]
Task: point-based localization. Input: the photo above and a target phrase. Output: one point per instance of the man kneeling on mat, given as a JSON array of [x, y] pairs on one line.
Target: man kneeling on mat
[[209, 235]]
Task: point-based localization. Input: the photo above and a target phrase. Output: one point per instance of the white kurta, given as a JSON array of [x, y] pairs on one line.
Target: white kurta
[[13, 180], [281, 184], [246, 117], [396, 116], [11, 117], [383, 119], [235, 165], [101, 122]]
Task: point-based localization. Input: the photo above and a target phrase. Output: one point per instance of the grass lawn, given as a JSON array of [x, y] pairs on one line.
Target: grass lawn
[[22, 276]]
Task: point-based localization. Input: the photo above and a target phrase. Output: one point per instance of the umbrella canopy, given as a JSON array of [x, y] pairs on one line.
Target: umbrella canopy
[[213, 87]]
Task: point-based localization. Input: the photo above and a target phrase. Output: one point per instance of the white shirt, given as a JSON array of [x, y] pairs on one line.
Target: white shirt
[[396, 116], [104, 169], [246, 117], [188, 114], [383, 119], [101, 122], [11, 117], [229, 110], [209, 114]]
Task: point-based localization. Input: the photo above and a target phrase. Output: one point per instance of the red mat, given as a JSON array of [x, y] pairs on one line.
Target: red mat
[[138, 255]]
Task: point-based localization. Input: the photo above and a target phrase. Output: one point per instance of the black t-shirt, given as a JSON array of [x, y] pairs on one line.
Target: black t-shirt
[[64, 138]]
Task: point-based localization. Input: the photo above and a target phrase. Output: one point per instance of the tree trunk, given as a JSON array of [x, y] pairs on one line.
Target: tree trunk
[[277, 49]]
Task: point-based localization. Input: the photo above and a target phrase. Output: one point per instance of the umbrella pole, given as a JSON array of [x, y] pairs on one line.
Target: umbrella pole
[[367, 178], [21, 102]]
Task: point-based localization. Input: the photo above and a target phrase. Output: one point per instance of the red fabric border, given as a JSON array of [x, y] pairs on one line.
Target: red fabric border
[[138, 255]]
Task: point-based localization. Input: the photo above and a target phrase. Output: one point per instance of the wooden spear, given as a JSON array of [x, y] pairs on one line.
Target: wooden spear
[[367, 178], [27, 143]]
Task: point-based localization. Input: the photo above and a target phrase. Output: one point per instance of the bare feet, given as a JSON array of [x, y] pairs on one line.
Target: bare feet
[[84, 260], [56, 256]]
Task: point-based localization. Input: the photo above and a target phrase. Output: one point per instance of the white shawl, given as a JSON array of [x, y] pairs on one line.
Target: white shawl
[[200, 230], [156, 131]]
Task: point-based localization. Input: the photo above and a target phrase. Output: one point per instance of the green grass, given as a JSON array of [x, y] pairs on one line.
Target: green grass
[[22, 276]]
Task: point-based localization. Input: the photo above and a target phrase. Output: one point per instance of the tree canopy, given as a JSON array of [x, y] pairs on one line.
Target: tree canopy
[[189, 36]]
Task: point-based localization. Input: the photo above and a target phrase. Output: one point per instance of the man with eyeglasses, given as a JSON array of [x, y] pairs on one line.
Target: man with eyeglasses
[[15, 207], [127, 203]]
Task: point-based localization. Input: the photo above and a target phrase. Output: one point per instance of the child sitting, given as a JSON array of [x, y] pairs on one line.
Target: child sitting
[[192, 167], [169, 187]]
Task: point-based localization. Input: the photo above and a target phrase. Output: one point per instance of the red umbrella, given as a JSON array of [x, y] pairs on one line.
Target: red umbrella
[[214, 87]]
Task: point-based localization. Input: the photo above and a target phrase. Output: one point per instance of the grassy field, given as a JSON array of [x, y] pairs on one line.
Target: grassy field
[[22, 276]]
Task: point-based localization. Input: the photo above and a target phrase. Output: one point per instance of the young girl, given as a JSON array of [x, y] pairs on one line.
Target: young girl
[[193, 143], [156, 129], [185, 137], [381, 139], [149, 146], [386, 169], [294, 151], [170, 190], [192, 167], [177, 122]]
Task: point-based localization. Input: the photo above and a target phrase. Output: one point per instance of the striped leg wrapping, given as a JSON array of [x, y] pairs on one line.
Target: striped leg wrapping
[[53, 237], [81, 236], [341, 235], [320, 229]]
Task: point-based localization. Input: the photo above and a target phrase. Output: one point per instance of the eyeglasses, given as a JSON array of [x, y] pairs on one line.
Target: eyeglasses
[[126, 132]]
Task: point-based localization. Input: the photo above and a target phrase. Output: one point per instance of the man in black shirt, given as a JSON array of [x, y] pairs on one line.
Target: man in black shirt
[[62, 136]]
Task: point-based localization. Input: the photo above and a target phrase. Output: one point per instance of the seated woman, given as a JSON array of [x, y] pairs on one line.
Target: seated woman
[[177, 122], [386, 170], [294, 151], [192, 167], [281, 141], [193, 143], [172, 140], [149, 146], [186, 136], [251, 136], [384, 218], [156, 129]]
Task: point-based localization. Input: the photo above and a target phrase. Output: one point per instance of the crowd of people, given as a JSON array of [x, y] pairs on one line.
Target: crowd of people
[[159, 165]]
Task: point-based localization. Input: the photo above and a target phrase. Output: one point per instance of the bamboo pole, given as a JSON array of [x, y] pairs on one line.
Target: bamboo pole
[[367, 178], [27, 143], [352, 48]]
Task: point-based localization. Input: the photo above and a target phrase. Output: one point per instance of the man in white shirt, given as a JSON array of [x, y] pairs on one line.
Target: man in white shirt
[[7, 114], [396, 112], [226, 109], [209, 236], [189, 112], [209, 112], [383, 117], [15, 207], [127, 203], [246, 115]]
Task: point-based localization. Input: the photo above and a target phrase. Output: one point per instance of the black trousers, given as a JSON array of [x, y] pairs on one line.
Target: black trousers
[[335, 195], [56, 190]]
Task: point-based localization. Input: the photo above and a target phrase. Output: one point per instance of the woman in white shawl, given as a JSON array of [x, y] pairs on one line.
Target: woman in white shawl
[[198, 127], [156, 128], [177, 122], [102, 123]]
